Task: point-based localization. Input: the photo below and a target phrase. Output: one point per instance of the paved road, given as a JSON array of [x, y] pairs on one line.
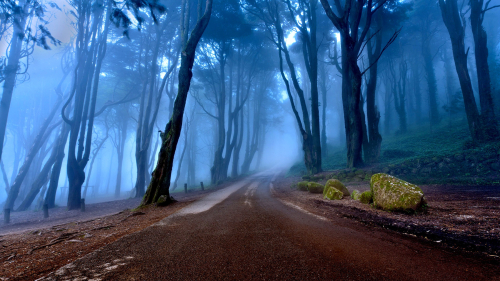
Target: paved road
[[243, 233]]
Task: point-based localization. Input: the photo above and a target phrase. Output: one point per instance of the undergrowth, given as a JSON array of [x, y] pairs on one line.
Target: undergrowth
[[422, 141]]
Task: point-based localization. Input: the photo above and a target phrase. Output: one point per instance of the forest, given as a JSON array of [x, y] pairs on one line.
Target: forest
[[112, 99]]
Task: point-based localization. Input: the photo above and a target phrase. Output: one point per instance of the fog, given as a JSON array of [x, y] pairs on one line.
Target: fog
[[88, 88]]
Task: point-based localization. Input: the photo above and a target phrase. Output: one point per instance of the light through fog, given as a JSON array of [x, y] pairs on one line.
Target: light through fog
[[238, 117]]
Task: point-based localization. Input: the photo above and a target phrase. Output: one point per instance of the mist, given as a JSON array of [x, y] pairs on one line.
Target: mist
[[89, 91]]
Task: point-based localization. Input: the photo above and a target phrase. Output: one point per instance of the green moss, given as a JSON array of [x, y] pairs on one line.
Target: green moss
[[302, 186], [355, 194], [333, 194], [337, 185], [366, 197], [393, 194], [314, 187]]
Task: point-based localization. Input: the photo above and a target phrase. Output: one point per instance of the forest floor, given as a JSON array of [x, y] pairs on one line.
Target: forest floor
[[33, 247], [462, 217]]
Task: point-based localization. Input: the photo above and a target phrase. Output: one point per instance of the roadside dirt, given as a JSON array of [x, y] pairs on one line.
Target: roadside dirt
[[40, 246], [461, 217]]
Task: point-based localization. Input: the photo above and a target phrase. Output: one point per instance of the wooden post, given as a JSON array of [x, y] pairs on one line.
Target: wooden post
[[202, 187], [45, 211], [185, 188], [82, 204], [6, 216]]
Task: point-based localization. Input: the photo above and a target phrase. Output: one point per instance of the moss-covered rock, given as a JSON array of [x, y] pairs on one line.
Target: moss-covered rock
[[366, 197], [333, 183], [355, 194], [315, 187], [302, 186], [393, 194], [333, 194]]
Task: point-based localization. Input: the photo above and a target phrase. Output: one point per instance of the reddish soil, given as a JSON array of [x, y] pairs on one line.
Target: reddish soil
[[31, 248], [463, 217]]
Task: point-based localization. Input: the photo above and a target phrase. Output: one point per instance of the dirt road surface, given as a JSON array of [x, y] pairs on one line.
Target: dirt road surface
[[243, 233]]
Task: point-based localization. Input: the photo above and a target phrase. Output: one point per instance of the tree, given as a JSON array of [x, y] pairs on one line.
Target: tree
[[389, 17], [160, 181], [18, 15], [303, 16], [348, 22], [90, 52], [426, 21], [455, 23], [489, 121], [150, 99]]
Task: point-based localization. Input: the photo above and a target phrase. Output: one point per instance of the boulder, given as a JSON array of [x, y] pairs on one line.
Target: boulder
[[355, 194], [302, 186], [333, 183], [333, 194], [366, 197], [393, 194], [315, 187]]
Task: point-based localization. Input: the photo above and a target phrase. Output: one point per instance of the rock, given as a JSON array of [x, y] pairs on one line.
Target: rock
[[332, 183], [302, 186], [366, 197], [315, 187], [393, 194], [333, 194], [355, 194]]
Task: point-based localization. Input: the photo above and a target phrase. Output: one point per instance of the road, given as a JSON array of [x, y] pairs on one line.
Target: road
[[243, 233]]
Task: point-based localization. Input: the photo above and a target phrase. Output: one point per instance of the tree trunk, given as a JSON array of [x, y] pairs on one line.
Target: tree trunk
[[50, 196], [489, 121], [430, 76], [40, 181], [5, 179], [85, 86], [217, 170], [323, 81], [372, 148], [11, 70], [120, 149], [179, 166], [456, 30], [94, 156], [351, 95], [41, 137], [160, 180]]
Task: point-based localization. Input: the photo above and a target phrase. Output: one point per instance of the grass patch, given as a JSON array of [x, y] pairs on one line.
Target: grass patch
[[447, 138]]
